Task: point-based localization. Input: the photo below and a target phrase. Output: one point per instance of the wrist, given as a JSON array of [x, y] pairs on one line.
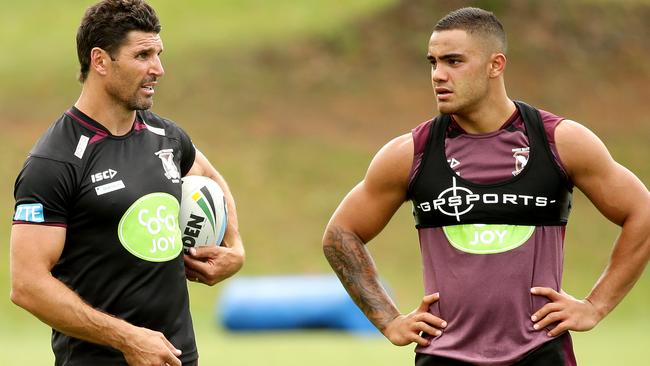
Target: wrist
[[600, 310], [387, 323], [121, 336]]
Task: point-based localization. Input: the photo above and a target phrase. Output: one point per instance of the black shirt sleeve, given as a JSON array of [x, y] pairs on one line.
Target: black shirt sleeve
[[188, 152], [46, 185]]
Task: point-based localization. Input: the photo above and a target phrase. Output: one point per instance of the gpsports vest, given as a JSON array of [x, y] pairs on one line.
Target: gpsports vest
[[538, 195]]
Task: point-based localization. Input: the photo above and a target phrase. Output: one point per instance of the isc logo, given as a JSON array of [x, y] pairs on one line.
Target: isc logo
[[106, 174]]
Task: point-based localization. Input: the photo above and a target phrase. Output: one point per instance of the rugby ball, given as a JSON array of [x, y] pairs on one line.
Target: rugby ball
[[204, 215]]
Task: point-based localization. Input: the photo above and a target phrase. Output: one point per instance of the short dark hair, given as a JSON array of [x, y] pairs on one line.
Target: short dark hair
[[106, 25], [474, 21]]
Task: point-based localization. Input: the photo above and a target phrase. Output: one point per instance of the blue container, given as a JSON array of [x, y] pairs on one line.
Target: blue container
[[290, 302]]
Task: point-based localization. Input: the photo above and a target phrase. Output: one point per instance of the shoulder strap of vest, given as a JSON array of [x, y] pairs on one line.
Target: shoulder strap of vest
[[532, 115], [435, 139]]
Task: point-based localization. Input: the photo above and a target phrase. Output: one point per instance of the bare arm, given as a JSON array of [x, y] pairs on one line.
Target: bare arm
[[364, 212], [623, 199], [35, 249], [211, 265]]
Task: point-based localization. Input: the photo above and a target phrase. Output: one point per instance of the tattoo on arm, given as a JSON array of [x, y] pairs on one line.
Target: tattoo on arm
[[348, 257]]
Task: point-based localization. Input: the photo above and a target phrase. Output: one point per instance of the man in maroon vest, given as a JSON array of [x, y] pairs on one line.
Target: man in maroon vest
[[490, 180]]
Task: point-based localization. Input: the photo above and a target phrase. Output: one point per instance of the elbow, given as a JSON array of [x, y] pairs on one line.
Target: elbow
[[19, 294], [23, 292], [331, 241], [328, 238], [335, 235]]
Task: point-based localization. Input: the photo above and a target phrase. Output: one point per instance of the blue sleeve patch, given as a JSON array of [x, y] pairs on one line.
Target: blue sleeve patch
[[30, 212]]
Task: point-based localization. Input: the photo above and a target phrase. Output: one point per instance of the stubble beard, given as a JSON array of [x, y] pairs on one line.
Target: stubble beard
[[129, 101], [467, 103], [132, 102], [139, 104]]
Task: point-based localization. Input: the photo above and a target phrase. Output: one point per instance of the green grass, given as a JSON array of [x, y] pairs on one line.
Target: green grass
[[614, 342]]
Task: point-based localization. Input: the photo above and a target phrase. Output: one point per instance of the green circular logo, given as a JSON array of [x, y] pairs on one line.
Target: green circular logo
[[149, 228], [487, 239]]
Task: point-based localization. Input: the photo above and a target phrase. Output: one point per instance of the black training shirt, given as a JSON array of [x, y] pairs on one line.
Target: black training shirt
[[118, 197]]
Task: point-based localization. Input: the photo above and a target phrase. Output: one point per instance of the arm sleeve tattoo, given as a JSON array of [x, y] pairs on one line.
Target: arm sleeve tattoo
[[350, 260]]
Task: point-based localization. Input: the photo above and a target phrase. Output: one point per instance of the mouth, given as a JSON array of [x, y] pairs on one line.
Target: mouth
[[148, 88], [442, 93]]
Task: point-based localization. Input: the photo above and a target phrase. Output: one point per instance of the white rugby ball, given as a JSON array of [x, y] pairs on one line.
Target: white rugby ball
[[204, 215]]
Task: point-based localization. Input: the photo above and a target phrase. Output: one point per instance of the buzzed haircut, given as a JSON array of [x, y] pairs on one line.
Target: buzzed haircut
[[474, 21], [107, 24]]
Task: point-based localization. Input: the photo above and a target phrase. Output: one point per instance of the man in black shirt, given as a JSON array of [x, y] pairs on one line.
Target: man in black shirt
[[96, 251]]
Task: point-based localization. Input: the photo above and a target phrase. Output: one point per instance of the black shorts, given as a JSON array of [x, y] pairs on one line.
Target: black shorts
[[551, 353]]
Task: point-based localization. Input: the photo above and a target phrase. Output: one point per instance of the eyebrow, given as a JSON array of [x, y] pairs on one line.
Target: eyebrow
[[445, 57], [147, 50]]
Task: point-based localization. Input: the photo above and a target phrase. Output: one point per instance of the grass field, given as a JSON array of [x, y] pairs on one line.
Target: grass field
[[615, 342], [290, 102]]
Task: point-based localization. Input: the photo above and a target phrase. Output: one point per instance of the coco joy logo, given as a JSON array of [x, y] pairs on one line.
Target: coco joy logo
[[487, 239], [149, 228]]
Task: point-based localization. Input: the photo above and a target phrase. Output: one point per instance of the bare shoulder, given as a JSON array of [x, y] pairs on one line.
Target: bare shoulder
[[391, 165], [613, 189], [580, 149]]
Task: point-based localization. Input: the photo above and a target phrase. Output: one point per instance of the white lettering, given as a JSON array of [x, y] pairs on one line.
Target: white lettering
[[155, 224], [501, 235], [526, 199], [510, 198], [472, 198], [437, 203], [30, 213], [455, 201], [491, 198], [475, 241], [106, 174], [488, 237], [162, 244]]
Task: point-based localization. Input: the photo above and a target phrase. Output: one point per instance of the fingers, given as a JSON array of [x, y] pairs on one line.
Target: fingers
[[549, 319], [559, 329], [171, 347], [150, 348], [172, 361], [430, 320], [419, 325], [546, 291], [416, 326], [420, 340], [172, 357], [428, 300], [195, 264], [194, 276], [428, 329], [204, 252], [545, 310]]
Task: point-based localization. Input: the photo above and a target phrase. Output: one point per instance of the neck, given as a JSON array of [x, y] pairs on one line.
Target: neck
[[102, 108], [487, 116]]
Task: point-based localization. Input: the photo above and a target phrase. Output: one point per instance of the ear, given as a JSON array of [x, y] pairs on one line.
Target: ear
[[497, 64], [99, 60]]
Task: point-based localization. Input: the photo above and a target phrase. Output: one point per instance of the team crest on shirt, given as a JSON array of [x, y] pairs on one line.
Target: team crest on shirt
[[521, 156], [167, 158]]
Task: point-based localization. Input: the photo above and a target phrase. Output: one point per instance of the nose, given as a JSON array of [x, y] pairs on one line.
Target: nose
[[438, 74], [157, 67]]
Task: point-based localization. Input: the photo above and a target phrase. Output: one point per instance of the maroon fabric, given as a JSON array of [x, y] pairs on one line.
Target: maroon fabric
[[486, 299], [485, 144]]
